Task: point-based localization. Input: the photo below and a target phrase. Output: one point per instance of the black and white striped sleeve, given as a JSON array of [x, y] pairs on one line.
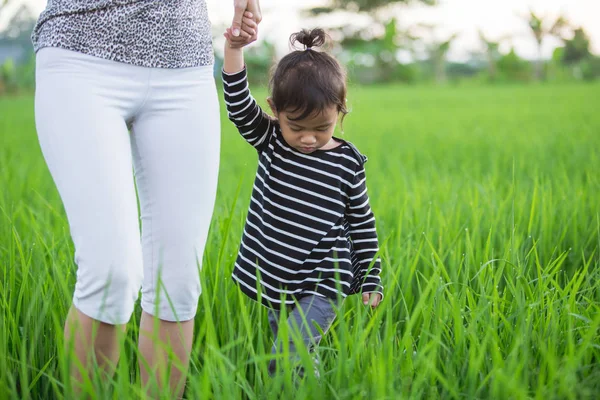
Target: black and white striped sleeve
[[363, 234], [253, 124]]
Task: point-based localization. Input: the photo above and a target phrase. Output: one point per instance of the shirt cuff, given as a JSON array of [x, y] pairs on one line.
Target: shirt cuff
[[232, 76]]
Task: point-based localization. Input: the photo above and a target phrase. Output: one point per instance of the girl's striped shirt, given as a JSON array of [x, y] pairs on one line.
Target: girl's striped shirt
[[309, 229]]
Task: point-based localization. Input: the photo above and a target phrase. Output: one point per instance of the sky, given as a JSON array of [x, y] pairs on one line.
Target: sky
[[496, 18]]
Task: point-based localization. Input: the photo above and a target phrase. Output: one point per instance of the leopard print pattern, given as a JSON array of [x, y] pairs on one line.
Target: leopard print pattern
[[148, 33]]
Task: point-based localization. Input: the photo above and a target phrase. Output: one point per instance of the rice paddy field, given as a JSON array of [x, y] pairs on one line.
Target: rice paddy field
[[488, 210]]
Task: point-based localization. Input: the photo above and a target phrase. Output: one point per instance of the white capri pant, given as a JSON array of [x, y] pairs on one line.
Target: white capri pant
[[95, 119]]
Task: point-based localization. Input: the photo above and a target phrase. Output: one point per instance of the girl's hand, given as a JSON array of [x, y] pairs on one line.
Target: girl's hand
[[372, 299], [248, 34]]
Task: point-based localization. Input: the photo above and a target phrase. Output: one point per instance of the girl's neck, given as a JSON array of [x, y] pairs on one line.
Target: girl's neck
[[332, 144]]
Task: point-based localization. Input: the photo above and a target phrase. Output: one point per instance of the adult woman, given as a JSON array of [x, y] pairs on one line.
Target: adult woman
[[122, 82]]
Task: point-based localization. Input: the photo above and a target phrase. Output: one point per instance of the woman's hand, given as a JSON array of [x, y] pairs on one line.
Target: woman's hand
[[372, 299], [254, 7], [240, 8], [247, 35]]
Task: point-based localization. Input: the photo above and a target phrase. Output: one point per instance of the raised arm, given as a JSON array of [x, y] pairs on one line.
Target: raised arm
[[253, 124]]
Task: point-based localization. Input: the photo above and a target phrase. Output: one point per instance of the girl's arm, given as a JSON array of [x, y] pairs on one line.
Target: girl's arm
[[363, 234], [253, 124], [233, 60]]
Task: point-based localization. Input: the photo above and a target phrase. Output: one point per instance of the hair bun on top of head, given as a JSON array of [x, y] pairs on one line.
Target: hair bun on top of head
[[308, 38]]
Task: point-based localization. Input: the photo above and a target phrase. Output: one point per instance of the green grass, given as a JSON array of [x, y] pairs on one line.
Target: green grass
[[488, 207]]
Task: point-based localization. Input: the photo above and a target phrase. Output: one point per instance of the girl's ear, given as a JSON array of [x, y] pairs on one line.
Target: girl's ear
[[272, 105]]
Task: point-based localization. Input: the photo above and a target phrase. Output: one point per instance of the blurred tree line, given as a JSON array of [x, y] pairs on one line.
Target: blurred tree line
[[389, 52], [383, 52], [17, 61]]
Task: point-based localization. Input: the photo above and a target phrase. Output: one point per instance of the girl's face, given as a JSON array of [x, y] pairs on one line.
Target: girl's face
[[309, 134]]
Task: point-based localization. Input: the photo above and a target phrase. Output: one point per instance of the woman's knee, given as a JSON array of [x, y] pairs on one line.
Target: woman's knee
[[171, 293], [108, 283]]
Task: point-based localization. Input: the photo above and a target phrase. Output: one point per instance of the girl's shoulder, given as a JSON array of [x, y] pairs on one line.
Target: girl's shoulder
[[349, 149]]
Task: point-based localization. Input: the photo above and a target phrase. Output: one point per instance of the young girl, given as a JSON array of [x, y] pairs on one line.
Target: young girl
[[310, 236]]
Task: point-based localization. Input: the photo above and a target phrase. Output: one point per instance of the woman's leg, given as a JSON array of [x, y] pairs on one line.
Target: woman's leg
[[89, 339], [81, 105], [175, 140], [159, 340]]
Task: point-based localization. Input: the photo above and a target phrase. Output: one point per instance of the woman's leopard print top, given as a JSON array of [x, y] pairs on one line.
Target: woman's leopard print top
[[149, 33]]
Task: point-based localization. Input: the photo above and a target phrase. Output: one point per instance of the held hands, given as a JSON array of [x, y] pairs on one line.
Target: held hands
[[244, 27], [372, 299], [247, 33], [241, 6]]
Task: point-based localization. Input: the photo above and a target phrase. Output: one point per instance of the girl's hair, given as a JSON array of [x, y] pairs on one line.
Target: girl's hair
[[308, 81]]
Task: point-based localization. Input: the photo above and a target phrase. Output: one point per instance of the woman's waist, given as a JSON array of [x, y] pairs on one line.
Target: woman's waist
[[139, 33]]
